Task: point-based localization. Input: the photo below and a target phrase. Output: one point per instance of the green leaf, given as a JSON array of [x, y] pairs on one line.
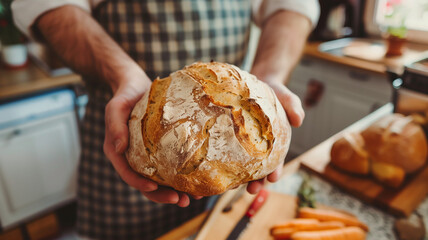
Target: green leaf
[[399, 32], [306, 194]]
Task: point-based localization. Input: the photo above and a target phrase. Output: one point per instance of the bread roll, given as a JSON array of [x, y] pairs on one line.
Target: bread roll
[[207, 128], [388, 174], [396, 140], [348, 154]]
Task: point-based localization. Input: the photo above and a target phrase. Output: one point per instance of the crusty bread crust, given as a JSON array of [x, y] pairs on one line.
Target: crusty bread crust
[[207, 128], [348, 153], [396, 140], [389, 149]]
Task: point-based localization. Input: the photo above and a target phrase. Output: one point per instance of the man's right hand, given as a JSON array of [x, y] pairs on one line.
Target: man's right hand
[[85, 47], [116, 142]]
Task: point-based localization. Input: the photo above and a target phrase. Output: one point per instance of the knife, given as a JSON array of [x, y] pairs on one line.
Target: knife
[[252, 210], [227, 199], [235, 198]]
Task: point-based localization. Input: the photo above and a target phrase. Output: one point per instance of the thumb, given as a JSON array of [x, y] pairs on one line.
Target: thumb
[[290, 102], [117, 115]]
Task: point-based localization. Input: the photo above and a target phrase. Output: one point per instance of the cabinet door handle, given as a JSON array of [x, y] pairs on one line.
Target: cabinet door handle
[[314, 92], [359, 76]]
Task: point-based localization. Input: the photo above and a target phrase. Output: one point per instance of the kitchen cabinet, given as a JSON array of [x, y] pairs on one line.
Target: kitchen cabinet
[[348, 94], [39, 152]]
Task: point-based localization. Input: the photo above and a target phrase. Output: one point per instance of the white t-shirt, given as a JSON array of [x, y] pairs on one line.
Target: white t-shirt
[[26, 12]]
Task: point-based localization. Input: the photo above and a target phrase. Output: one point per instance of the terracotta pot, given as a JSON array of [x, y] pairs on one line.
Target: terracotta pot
[[395, 46], [14, 56]]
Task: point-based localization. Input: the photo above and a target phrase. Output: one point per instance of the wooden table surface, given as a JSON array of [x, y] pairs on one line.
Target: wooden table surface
[[31, 79], [395, 64]]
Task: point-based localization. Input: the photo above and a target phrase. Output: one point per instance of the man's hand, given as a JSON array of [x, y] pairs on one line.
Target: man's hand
[[280, 47], [293, 107], [116, 142], [85, 47]]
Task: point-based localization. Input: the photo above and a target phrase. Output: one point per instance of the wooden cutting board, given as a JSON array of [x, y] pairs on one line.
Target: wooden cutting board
[[278, 208], [399, 202]]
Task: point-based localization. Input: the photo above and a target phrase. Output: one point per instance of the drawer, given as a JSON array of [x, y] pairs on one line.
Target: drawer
[[359, 81]]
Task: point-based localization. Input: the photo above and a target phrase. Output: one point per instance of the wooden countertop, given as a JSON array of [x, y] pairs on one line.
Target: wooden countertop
[[31, 79], [14, 83], [395, 64]]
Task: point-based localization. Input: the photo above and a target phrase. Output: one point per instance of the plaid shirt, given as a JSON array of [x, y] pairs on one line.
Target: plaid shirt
[[162, 36]]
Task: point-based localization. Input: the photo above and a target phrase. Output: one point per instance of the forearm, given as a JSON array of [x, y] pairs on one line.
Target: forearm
[[281, 43], [84, 46]]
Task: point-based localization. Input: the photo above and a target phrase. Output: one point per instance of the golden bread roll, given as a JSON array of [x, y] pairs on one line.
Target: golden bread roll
[[419, 119], [388, 174], [207, 128], [396, 140], [348, 154]]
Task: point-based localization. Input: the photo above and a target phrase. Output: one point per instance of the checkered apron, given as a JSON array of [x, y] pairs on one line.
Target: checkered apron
[[162, 36]]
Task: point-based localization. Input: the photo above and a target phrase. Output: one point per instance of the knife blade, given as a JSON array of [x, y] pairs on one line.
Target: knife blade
[[224, 200], [252, 210], [235, 198]]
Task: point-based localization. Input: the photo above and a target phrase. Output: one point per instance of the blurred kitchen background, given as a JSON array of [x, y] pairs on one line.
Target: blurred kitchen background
[[362, 55]]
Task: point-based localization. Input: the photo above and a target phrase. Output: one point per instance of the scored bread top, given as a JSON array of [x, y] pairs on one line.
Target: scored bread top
[[207, 128], [396, 140]]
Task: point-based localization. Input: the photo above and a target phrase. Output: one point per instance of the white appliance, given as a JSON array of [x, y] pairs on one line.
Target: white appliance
[[39, 152]]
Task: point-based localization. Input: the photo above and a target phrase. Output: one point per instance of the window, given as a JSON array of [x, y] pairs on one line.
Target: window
[[413, 14]]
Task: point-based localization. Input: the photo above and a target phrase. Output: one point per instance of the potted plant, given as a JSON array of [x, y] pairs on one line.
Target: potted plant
[[14, 51], [396, 29], [396, 40]]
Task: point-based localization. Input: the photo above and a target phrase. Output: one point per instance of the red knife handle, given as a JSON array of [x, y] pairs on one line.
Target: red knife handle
[[257, 203]]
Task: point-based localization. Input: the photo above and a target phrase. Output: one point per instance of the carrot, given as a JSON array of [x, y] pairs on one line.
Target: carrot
[[300, 224], [285, 230], [348, 233], [282, 233], [331, 215], [297, 222], [328, 225]]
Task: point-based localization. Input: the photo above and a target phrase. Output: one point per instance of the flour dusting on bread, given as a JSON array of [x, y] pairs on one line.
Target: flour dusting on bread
[[207, 128]]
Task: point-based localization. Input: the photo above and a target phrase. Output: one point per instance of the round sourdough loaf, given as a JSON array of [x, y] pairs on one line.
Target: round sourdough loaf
[[349, 154], [397, 140], [207, 128]]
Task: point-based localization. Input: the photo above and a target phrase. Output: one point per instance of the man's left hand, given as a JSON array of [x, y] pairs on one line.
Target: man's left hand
[[294, 110]]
